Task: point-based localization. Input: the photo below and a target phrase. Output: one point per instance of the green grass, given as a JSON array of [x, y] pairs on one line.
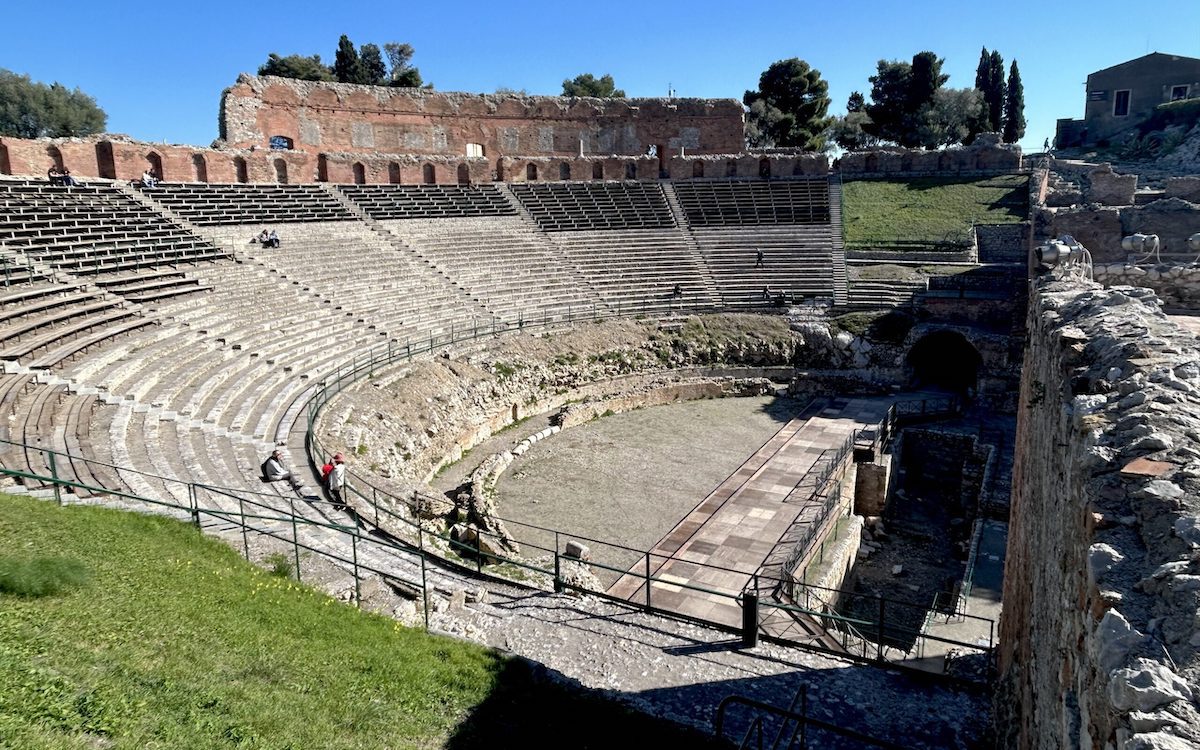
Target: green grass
[[172, 641], [887, 211]]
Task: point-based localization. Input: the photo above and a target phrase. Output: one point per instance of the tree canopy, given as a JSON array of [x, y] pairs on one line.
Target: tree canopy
[[989, 80], [586, 84], [1014, 106], [29, 109], [789, 108], [362, 65]]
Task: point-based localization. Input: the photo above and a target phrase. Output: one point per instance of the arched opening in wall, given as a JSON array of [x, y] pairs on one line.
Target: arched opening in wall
[[280, 143], [871, 163], [631, 170], [427, 175], [241, 174], [731, 168], [5, 164], [564, 171], [945, 360], [530, 172], [906, 162], [500, 173], [199, 168], [360, 173], [764, 168], [393, 173], [281, 172], [464, 174], [697, 168], [798, 168], [322, 168], [55, 157], [598, 170], [154, 164]]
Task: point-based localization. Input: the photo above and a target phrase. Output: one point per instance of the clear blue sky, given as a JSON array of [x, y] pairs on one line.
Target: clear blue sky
[[159, 70]]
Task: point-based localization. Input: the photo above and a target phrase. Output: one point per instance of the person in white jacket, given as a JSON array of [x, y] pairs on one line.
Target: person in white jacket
[[337, 481]]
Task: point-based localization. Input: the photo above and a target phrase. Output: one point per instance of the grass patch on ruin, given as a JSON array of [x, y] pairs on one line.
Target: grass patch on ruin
[[162, 638], [881, 212]]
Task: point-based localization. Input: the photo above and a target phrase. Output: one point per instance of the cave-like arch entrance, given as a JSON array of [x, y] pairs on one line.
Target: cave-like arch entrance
[[947, 360]]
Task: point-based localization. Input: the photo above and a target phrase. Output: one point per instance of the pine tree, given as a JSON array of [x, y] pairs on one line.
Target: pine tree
[[993, 95], [1014, 107], [370, 59], [346, 66]]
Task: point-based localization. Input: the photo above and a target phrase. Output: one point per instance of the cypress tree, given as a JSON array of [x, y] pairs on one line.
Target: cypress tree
[[994, 93], [1014, 107], [346, 65]]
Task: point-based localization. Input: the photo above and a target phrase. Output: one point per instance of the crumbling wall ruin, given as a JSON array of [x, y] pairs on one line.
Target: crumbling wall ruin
[[1100, 638], [986, 155]]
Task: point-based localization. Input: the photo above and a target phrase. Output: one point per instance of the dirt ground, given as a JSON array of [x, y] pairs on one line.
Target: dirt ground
[[629, 478]]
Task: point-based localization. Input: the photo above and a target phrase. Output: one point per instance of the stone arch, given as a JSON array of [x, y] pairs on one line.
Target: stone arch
[[154, 163], [322, 168], [697, 168], [598, 170], [631, 170], [199, 168], [464, 174], [564, 170], [427, 175], [764, 167], [500, 170], [281, 172], [241, 173], [944, 359], [5, 164], [56, 157], [280, 143], [871, 163], [731, 168], [359, 172], [393, 173]]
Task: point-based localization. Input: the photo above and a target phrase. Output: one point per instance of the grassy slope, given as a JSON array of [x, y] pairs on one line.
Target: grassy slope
[[174, 642], [929, 208]]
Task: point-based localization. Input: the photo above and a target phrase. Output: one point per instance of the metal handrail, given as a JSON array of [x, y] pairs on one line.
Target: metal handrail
[[802, 718]]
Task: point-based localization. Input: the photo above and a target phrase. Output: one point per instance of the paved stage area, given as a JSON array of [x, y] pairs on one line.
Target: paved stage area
[[736, 526]]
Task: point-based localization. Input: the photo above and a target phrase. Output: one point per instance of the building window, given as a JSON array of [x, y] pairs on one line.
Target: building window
[[1121, 103], [475, 151], [280, 143], [1179, 92]]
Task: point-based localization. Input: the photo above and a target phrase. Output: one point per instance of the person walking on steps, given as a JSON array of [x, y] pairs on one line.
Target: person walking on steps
[[758, 257], [337, 481]]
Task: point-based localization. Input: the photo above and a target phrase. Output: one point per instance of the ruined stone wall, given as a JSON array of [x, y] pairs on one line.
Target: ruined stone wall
[[1099, 638], [708, 166], [985, 156], [346, 117], [1100, 228], [1177, 285]]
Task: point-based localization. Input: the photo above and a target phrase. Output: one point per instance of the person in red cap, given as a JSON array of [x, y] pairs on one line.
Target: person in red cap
[[337, 481]]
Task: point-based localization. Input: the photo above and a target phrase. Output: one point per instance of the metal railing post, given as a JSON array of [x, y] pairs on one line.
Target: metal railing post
[[354, 556], [558, 587], [478, 551], [54, 476], [295, 538], [879, 650], [647, 580], [195, 505], [245, 541], [425, 592]]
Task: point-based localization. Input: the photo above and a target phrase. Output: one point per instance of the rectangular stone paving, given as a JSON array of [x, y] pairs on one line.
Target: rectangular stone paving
[[717, 547]]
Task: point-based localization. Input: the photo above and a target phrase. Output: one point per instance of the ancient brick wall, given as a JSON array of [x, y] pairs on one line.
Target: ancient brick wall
[[985, 156], [1099, 638], [707, 166], [1101, 228], [344, 117]]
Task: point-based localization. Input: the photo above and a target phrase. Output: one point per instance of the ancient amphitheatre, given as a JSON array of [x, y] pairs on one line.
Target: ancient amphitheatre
[[919, 414]]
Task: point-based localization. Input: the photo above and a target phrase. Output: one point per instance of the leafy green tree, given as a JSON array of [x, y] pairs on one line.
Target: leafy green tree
[[903, 98], [370, 60], [789, 108], [856, 102], [402, 73], [949, 118], [347, 68], [29, 109], [850, 131], [296, 66], [1014, 106], [587, 84]]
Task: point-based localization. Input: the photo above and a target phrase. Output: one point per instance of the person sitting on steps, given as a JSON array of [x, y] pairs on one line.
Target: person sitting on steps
[[273, 470], [272, 239], [261, 238]]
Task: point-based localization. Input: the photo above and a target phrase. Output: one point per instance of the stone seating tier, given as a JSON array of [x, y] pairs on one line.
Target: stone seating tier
[[212, 204], [584, 206], [713, 203], [797, 261], [386, 202]]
